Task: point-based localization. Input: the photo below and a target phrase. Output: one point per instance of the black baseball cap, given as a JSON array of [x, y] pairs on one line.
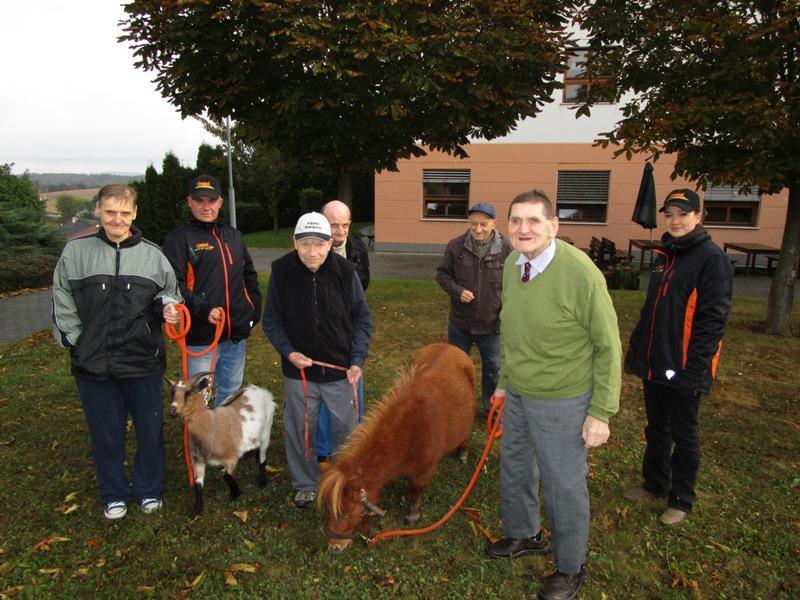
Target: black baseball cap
[[683, 198], [204, 185]]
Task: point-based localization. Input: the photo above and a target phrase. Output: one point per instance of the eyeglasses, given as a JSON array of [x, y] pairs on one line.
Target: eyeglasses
[[205, 200]]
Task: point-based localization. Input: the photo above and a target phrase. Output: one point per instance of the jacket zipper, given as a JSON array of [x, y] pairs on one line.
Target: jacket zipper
[[662, 289], [225, 273]]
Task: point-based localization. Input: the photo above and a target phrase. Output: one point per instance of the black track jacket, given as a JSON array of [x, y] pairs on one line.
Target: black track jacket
[[679, 335], [214, 268]]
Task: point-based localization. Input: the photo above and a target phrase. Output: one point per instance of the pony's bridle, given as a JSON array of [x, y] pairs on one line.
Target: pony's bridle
[[370, 510]]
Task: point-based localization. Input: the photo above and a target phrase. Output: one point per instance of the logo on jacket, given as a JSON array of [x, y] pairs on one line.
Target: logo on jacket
[[203, 246]]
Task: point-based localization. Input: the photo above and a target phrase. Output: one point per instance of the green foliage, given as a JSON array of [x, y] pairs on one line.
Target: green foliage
[[69, 206], [251, 217], [17, 190], [355, 84], [162, 198], [310, 199], [740, 541], [717, 84], [29, 248]]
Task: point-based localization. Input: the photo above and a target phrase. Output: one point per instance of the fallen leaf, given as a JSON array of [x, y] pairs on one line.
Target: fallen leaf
[[91, 543], [71, 496], [247, 568], [348, 569], [241, 515], [198, 579], [42, 545], [13, 591], [230, 579], [100, 563], [248, 544], [6, 568], [59, 538], [271, 469], [82, 572], [444, 580], [51, 571], [143, 589]]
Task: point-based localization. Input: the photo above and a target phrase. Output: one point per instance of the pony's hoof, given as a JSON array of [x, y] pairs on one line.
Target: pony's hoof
[[412, 518]]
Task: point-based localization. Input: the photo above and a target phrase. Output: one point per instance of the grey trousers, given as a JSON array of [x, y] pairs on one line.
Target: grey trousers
[[542, 439], [338, 397]]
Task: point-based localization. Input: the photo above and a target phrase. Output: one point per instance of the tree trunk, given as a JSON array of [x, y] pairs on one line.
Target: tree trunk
[[346, 187], [781, 293], [273, 206]]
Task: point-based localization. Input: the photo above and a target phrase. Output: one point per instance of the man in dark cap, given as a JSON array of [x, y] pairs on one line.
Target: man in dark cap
[[471, 273], [215, 274]]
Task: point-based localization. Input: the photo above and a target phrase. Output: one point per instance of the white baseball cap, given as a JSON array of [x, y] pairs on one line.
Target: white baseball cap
[[312, 224]]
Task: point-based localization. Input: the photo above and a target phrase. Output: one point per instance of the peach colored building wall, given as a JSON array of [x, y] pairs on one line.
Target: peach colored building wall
[[498, 172]]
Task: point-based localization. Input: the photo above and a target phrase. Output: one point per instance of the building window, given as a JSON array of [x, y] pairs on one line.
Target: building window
[[724, 205], [445, 194], [580, 87], [582, 196]]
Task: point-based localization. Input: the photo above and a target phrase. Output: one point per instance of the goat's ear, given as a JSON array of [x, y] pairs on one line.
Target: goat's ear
[[202, 384], [169, 382]]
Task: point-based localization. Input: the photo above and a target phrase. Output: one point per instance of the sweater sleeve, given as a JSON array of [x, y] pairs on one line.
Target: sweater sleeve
[[714, 291], [362, 324], [273, 320], [601, 323], [446, 273], [67, 324]]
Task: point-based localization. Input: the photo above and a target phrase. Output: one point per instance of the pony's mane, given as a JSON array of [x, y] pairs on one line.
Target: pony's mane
[[365, 432], [330, 491]]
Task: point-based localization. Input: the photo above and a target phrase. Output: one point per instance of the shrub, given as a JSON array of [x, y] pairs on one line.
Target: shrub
[[26, 270], [252, 217]]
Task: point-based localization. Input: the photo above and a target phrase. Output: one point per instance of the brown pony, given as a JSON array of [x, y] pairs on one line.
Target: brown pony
[[428, 413]]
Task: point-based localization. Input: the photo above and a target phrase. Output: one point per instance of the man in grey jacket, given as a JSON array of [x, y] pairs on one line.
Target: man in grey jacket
[[472, 274]]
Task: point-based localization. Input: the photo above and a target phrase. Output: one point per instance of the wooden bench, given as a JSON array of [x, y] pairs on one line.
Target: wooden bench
[[615, 255], [595, 250]]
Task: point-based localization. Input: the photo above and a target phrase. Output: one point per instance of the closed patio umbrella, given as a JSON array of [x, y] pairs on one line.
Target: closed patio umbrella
[[644, 213]]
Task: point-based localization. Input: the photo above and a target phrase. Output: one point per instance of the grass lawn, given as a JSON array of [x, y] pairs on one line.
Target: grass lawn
[[742, 541], [284, 239]]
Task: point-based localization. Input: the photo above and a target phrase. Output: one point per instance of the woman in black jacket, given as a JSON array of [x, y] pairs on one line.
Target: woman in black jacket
[[674, 349]]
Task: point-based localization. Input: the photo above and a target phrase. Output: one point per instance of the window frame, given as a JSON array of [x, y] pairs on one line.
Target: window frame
[[579, 80], [455, 204], [728, 198], [575, 202]]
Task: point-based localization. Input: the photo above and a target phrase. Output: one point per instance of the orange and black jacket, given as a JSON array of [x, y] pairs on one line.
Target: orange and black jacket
[[678, 339], [214, 268]]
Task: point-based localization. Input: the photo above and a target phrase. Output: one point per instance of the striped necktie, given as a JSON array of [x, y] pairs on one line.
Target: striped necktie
[[526, 273]]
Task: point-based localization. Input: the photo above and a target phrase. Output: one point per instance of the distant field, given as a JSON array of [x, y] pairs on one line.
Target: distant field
[[51, 197], [283, 239]]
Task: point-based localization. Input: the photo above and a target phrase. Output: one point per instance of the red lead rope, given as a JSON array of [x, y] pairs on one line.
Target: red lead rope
[[179, 336], [305, 394]]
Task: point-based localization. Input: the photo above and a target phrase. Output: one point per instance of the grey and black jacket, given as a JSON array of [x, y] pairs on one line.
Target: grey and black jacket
[[107, 305], [461, 269]]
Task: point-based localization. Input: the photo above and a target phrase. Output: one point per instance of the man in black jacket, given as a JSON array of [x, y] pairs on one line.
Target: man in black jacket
[[215, 274], [316, 311], [353, 249], [471, 273]]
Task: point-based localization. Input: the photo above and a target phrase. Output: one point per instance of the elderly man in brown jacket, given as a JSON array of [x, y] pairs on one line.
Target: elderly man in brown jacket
[[472, 273]]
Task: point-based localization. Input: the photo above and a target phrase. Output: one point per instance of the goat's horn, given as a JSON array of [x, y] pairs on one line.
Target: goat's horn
[[373, 508]]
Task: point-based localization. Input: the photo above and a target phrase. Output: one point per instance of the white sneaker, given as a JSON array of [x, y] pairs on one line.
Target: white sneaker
[[151, 505], [304, 498], [115, 510]]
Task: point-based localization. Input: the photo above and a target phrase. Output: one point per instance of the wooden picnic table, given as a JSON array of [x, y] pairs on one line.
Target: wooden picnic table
[[644, 246], [751, 251]]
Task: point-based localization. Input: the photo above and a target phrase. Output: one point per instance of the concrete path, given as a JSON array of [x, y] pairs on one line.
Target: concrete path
[[23, 315]]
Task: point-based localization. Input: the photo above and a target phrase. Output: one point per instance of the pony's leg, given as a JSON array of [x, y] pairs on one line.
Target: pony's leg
[[461, 452], [416, 486]]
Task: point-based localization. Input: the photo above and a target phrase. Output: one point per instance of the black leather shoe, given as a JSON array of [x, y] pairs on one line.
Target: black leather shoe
[[558, 586], [514, 548]]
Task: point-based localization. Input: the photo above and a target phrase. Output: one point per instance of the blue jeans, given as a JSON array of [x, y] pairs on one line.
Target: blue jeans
[[489, 348], [106, 404], [229, 370], [324, 439]]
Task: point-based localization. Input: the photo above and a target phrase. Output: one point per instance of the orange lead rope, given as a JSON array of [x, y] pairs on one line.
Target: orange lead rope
[[179, 336], [494, 430]]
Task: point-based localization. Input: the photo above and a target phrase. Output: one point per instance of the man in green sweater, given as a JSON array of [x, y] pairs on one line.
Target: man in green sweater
[[560, 375]]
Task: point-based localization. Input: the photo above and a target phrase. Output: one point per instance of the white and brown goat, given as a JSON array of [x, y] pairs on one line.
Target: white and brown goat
[[223, 435]]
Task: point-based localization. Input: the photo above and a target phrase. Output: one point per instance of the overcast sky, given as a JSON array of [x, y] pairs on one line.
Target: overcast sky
[[71, 100]]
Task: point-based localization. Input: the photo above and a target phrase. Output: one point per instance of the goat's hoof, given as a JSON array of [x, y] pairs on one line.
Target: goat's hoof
[[262, 482]]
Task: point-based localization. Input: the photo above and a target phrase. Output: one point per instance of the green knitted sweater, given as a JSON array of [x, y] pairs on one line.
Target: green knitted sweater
[[559, 333]]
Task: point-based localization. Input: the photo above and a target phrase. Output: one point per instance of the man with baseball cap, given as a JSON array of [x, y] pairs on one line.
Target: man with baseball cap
[[471, 273], [215, 274], [316, 311]]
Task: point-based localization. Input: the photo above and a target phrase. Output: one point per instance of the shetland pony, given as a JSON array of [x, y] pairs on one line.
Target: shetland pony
[[428, 413]]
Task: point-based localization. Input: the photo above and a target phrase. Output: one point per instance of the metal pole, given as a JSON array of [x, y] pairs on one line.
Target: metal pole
[[231, 193]]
